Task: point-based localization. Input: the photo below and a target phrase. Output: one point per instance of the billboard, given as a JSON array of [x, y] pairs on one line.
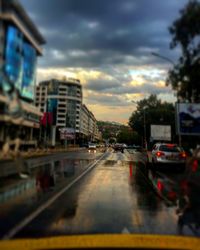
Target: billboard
[[29, 69], [13, 56], [20, 62], [161, 132], [188, 118], [67, 133]]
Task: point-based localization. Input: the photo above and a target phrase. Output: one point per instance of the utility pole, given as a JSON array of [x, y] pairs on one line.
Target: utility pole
[[145, 133]]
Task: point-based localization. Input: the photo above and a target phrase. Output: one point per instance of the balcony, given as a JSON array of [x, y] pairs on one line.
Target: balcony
[[61, 119], [62, 103], [60, 124]]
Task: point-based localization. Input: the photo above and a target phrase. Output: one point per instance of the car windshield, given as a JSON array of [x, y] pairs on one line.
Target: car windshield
[[99, 124]]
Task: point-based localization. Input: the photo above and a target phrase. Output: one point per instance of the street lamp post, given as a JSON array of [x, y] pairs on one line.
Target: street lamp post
[[145, 132], [170, 61], [163, 57]]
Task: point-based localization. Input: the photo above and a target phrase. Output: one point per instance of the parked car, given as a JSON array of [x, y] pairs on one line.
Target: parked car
[[164, 154]]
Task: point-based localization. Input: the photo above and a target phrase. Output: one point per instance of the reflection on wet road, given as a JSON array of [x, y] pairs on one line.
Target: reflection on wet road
[[45, 176], [120, 195], [108, 200]]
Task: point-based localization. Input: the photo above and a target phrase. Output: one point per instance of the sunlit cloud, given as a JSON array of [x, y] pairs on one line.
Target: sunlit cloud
[[108, 113], [92, 25], [105, 90]]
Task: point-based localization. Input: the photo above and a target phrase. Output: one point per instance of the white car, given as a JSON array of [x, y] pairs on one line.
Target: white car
[[92, 147], [166, 154]]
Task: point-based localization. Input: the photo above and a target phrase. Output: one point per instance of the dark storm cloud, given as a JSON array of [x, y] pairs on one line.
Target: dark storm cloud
[[114, 29], [102, 85], [103, 88]]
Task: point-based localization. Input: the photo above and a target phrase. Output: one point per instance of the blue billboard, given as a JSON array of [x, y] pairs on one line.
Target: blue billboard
[[13, 57], [188, 118], [20, 62], [29, 69]]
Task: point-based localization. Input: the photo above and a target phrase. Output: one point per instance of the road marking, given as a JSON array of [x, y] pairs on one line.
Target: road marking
[[135, 241], [40, 209]]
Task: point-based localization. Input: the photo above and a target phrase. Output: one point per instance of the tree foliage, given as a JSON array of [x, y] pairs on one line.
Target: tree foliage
[[128, 137], [185, 31], [155, 111]]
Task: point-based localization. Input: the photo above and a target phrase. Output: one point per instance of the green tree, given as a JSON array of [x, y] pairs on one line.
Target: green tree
[[185, 31], [156, 112], [128, 137]]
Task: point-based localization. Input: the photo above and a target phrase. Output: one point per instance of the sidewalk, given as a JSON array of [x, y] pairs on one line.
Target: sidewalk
[[38, 153]]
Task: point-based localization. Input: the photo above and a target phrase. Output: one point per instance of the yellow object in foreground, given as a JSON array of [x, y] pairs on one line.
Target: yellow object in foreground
[[104, 241]]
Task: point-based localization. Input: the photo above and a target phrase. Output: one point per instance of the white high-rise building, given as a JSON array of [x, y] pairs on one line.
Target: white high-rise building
[[61, 103]]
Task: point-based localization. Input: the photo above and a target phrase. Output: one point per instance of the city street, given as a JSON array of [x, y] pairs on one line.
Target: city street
[[87, 193]]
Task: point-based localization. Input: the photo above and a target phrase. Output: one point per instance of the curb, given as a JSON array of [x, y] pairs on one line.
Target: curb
[[41, 154]]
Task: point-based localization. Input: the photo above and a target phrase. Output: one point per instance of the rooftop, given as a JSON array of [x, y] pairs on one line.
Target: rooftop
[[14, 5]]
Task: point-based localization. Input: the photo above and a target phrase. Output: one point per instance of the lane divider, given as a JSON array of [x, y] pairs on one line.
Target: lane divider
[[41, 208]]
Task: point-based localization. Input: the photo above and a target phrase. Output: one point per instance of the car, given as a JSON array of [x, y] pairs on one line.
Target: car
[[92, 147], [193, 168], [167, 154], [118, 147]]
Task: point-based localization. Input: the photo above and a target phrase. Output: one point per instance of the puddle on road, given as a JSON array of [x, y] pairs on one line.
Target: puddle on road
[[40, 179]]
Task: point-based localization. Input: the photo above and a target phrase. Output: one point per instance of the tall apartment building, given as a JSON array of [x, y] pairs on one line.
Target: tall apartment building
[[88, 125], [63, 98], [61, 103], [20, 47]]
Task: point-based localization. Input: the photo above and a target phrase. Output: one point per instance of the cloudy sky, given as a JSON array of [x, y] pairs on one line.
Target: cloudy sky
[[107, 44]]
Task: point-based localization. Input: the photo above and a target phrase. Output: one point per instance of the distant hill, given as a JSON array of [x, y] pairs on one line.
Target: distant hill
[[109, 123], [110, 129]]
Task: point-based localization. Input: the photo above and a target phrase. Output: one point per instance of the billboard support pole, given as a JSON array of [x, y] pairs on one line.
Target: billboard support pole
[[65, 143], [179, 132]]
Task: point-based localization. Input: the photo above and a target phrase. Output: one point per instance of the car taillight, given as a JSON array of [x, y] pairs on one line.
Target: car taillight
[[159, 154], [195, 166], [172, 195], [160, 186], [183, 155]]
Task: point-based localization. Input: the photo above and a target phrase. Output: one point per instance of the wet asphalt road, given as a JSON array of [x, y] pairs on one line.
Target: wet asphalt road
[[114, 197]]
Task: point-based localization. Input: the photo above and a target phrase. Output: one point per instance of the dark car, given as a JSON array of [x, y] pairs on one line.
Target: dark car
[[118, 147]]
